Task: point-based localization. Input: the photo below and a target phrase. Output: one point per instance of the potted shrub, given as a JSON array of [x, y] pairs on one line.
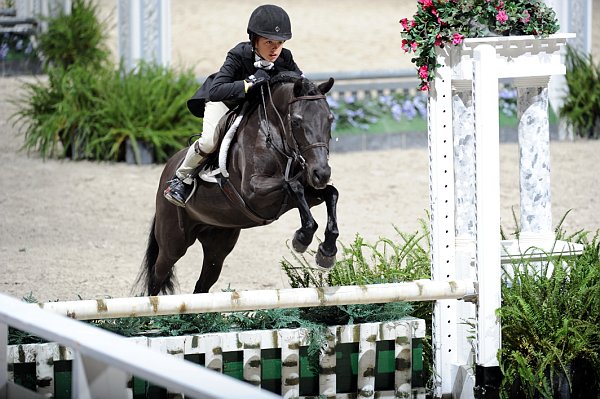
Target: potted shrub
[[550, 326], [581, 108], [89, 108]]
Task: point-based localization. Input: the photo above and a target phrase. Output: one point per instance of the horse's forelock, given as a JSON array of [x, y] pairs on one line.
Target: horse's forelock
[[309, 88], [284, 78]]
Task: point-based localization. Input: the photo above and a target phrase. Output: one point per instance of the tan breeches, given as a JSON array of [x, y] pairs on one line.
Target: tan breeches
[[206, 143]]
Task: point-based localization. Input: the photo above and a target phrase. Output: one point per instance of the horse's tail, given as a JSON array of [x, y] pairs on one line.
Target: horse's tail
[[145, 278]]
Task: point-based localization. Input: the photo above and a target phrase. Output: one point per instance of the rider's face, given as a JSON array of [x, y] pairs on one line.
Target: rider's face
[[269, 49]]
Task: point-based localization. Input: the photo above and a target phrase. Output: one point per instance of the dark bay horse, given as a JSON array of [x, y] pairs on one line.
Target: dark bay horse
[[277, 161]]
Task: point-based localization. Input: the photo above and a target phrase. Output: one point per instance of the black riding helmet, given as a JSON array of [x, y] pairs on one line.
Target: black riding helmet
[[270, 21]]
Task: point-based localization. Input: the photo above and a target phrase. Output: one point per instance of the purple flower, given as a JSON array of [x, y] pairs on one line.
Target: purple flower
[[333, 103], [420, 103], [350, 99], [396, 112], [3, 51], [408, 109]]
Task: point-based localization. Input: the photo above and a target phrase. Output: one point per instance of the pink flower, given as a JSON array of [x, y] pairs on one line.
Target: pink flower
[[426, 3], [526, 17], [438, 40], [424, 87], [413, 46], [424, 72], [405, 45], [457, 38], [404, 22], [502, 17], [434, 12]]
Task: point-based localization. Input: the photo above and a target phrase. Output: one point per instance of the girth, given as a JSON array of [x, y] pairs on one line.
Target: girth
[[236, 200]]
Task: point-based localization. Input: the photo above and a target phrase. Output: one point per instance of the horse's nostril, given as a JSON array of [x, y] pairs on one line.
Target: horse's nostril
[[321, 176]]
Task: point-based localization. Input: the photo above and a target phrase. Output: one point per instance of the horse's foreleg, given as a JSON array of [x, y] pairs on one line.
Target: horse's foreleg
[[216, 244], [304, 235], [327, 249]]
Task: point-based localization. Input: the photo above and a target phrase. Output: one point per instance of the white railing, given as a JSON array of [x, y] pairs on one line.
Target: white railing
[[103, 362]]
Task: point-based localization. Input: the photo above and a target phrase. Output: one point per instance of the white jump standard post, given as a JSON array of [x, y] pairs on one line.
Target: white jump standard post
[[463, 131], [144, 32]]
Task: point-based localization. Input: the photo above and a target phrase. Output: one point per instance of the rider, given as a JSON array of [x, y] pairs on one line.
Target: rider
[[248, 66]]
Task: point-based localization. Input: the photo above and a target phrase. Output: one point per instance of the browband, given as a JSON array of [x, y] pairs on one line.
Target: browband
[[313, 97]]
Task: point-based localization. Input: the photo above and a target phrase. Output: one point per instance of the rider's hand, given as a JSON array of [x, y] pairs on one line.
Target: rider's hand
[[259, 78]]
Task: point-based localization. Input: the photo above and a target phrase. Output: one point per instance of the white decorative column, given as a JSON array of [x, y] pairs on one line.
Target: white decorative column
[[465, 217], [534, 159], [144, 32], [464, 160]]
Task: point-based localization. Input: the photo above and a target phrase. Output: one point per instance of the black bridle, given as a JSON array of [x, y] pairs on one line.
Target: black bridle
[[294, 155]]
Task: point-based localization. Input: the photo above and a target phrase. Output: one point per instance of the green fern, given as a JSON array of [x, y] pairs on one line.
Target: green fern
[[550, 316]]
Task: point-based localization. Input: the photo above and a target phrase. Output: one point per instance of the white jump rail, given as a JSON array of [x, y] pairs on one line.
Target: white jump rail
[[103, 361], [420, 290]]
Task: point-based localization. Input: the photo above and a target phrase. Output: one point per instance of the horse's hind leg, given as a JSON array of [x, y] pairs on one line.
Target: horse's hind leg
[[217, 243], [173, 243], [304, 235], [327, 249]]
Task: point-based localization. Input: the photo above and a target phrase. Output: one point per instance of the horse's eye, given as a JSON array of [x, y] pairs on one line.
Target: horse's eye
[[296, 122]]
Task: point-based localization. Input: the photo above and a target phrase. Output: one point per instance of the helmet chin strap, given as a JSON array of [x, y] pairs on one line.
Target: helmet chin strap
[[261, 63]]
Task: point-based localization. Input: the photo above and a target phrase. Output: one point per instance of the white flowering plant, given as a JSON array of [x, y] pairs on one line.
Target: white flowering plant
[[438, 23]]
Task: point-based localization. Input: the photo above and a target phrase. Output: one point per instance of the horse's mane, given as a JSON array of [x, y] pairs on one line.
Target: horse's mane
[[308, 87], [284, 78]]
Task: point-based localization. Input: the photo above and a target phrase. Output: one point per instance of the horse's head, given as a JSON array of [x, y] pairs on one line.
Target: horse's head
[[310, 120]]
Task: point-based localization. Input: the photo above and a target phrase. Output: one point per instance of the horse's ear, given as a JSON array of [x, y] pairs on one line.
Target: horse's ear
[[298, 87], [326, 86]]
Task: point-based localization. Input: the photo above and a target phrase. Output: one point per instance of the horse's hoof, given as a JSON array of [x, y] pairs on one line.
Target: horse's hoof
[[298, 246], [325, 263], [297, 243]]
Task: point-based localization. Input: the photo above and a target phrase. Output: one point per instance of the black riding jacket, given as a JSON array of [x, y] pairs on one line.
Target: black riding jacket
[[227, 85]]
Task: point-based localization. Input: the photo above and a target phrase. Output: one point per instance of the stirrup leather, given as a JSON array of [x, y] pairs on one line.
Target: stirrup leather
[[210, 175]]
